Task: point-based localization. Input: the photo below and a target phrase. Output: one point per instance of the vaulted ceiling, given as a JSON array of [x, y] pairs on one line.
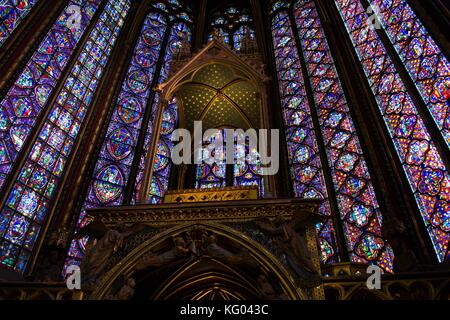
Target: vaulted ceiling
[[219, 96]]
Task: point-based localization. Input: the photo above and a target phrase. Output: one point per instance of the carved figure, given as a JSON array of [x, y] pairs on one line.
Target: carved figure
[[289, 237], [216, 251], [102, 244], [179, 251]]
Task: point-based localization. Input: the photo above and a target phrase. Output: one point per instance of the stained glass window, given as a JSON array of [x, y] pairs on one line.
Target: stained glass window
[[240, 34], [212, 175], [220, 34], [248, 173], [162, 163], [27, 97], [28, 203], [179, 32], [360, 212], [428, 177], [352, 184], [113, 168], [427, 65], [305, 163], [282, 4], [231, 26], [114, 163], [124, 128], [12, 12]]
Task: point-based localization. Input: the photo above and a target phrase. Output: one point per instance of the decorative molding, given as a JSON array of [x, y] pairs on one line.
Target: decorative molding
[[220, 212], [211, 195]]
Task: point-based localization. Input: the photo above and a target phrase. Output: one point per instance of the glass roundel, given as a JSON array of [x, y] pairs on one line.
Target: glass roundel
[[162, 157], [108, 184], [120, 143], [129, 110], [138, 81], [146, 58], [151, 37], [168, 123]]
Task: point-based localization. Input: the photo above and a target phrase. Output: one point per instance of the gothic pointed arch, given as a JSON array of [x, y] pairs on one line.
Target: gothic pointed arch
[[264, 263]]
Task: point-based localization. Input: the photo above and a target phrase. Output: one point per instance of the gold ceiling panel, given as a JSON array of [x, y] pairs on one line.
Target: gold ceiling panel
[[224, 113], [215, 75], [195, 98], [243, 93], [218, 97]]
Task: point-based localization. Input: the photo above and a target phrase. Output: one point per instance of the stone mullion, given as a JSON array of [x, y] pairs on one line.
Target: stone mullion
[[156, 135], [332, 198], [21, 45], [261, 30], [386, 163], [435, 16], [200, 29]]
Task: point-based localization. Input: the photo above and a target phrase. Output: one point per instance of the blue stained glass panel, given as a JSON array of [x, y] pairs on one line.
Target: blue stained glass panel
[[46, 163], [12, 13], [27, 97]]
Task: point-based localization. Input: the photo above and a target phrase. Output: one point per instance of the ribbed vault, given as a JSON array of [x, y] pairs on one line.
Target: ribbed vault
[[219, 96]]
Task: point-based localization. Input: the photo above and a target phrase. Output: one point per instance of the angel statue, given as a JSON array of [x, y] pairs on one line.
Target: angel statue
[[102, 244], [180, 250], [214, 250], [289, 236]]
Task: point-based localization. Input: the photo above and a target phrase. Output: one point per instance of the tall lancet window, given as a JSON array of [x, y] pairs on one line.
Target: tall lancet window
[[29, 201], [232, 26], [27, 97], [322, 135], [12, 13], [427, 65], [160, 38], [306, 165], [180, 36], [424, 167], [162, 164]]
